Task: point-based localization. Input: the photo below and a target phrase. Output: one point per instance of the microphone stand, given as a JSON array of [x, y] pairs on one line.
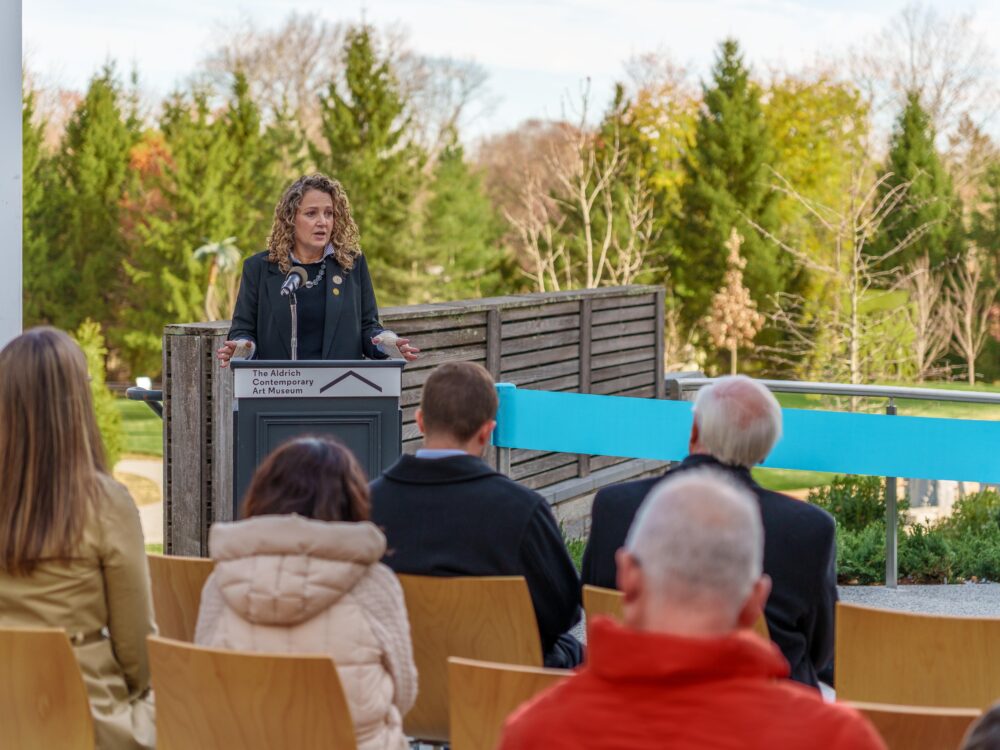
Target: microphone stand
[[294, 306]]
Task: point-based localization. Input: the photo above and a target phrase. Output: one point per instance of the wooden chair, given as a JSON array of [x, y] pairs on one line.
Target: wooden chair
[[598, 600], [208, 699], [484, 694], [884, 656], [43, 701], [907, 727], [177, 583], [489, 618]]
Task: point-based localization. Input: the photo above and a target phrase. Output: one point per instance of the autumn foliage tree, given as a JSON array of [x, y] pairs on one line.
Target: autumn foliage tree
[[733, 320]]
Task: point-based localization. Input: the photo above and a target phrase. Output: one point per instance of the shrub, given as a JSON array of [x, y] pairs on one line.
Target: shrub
[[977, 514], [855, 502], [861, 554], [91, 340], [977, 557], [924, 554]]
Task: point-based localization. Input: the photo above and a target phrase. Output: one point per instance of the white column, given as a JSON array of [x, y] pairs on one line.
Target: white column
[[10, 170]]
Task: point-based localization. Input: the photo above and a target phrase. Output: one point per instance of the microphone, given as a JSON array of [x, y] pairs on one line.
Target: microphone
[[296, 278]]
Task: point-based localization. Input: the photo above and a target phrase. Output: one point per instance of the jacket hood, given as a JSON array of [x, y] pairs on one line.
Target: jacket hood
[[447, 470], [283, 570], [617, 654]]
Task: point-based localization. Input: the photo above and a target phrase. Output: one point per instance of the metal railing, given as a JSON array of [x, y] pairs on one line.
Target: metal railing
[[677, 387]]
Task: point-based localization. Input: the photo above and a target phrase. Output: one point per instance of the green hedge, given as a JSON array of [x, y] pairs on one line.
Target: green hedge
[[109, 421], [965, 546]]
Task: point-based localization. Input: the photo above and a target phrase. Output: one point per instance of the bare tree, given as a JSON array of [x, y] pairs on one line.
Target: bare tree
[[972, 299], [929, 315], [611, 215], [944, 58], [444, 96], [287, 67], [853, 335], [537, 224], [291, 66]]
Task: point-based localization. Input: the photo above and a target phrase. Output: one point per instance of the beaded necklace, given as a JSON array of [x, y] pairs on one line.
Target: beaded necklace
[[318, 278]]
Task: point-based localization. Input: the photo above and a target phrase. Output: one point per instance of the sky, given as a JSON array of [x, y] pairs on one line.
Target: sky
[[537, 54]]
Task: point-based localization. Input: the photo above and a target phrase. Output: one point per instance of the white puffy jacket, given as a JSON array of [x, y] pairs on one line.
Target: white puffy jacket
[[288, 584]]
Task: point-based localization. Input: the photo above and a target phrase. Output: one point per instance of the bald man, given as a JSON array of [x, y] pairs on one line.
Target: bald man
[[684, 671], [736, 423]]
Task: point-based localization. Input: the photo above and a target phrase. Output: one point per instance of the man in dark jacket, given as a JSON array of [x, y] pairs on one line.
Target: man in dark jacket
[[446, 512], [736, 423]]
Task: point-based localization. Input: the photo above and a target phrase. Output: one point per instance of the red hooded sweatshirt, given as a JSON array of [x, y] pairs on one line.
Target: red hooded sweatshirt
[[642, 691]]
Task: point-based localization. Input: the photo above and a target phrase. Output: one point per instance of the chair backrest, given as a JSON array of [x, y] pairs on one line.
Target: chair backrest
[[908, 659], [208, 699], [907, 727], [177, 583], [484, 694], [488, 618], [598, 600], [43, 701]]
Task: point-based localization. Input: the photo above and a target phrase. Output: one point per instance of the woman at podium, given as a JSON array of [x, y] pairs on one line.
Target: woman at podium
[[314, 260]]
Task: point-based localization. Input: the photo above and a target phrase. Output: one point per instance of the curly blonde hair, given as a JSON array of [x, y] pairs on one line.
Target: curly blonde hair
[[345, 236]]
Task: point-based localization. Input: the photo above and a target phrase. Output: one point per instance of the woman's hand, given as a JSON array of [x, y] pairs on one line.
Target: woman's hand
[[240, 349], [409, 352], [225, 352], [392, 344]]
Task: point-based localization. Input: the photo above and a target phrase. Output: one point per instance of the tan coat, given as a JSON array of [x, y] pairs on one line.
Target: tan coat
[[101, 598], [287, 584]]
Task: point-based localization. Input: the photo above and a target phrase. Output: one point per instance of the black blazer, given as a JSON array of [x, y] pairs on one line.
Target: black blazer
[[263, 316], [800, 556], [457, 516]]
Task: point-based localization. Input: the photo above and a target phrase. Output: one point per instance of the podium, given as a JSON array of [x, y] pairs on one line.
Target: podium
[[354, 401]]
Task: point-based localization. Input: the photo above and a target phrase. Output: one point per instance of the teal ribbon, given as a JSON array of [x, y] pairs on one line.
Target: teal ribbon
[[814, 440]]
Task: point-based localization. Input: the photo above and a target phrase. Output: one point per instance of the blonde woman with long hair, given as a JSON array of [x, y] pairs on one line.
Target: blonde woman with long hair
[[314, 237], [71, 547]]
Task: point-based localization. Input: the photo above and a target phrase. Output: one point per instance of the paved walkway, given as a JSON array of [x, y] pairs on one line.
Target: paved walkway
[[150, 515], [969, 599]]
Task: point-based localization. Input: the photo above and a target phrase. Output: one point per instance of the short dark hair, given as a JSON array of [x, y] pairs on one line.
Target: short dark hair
[[313, 476], [458, 398], [985, 733]]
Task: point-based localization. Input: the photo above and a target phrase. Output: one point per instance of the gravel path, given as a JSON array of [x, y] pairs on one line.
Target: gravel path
[[970, 599]]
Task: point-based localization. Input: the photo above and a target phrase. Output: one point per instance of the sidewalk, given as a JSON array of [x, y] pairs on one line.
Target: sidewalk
[[150, 515]]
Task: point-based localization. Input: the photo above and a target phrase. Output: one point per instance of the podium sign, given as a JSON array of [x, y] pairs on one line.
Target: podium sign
[[322, 381], [356, 402]]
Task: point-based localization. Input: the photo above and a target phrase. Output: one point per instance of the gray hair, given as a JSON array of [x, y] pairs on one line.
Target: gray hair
[[698, 537], [739, 420]]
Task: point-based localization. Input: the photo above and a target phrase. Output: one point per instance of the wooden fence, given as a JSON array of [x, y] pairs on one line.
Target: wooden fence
[[606, 341]]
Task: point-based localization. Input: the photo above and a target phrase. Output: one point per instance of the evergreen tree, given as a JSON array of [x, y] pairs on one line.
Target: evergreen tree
[[204, 179], [727, 186], [461, 234], [34, 231], [366, 147], [83, 271], [287, 151], [985, 230], [930, 206]]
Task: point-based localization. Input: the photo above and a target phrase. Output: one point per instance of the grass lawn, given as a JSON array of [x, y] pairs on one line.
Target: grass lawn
[[142, 430], [783, 480], [906, 407]]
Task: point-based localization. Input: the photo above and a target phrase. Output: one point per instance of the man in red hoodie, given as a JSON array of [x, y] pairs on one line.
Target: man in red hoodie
[[685, 671]]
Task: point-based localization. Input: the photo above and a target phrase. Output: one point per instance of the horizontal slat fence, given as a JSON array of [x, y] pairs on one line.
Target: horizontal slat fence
[[606, 341]]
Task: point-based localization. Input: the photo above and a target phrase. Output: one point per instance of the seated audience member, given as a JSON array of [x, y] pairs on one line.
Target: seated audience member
[[446, 512], [736, 423], [684, 671], [984, 734], [71, 549], [300, 573]]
